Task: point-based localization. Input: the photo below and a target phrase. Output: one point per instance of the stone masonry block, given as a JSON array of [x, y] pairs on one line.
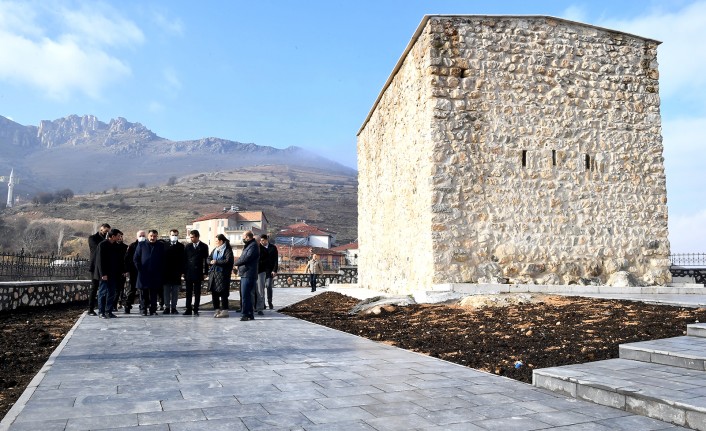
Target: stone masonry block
[[655, 409], [678, 361], [555, 385], [601, 396], [634, 354], [696, 420]]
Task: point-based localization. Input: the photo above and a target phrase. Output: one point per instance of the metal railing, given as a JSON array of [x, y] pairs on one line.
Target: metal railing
[[25, 267], [688, 259]]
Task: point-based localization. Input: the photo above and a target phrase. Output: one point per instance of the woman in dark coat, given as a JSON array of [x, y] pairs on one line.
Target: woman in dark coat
[[221, 266]]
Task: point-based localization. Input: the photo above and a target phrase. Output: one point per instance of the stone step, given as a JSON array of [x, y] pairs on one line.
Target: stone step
[[672, 394], [696, 330], [684, 352]]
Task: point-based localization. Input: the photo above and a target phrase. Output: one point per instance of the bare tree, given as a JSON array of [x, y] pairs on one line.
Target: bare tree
[[32, 238]]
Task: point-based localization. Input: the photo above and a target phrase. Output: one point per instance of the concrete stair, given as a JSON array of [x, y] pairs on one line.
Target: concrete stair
[[661, 379]]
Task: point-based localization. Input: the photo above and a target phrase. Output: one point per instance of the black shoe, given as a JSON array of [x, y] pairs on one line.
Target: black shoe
[[112, 316], [245, 319], [271, 307], [260, 313], [174, 311], [126, 311], [102, 316], [167, 311], [92, 313], [188, 313], [196, 313], [313, 290]]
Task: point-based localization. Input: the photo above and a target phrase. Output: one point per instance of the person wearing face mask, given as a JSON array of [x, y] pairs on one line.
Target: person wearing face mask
[[173, 270], [221, 265], [149, 261], [196, 271], [93, 242], [132, 270]]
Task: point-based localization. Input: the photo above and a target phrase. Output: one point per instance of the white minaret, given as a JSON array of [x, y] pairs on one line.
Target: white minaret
[[10, 186]]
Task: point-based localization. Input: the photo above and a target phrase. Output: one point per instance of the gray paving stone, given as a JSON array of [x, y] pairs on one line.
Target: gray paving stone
[[562, 418], [330, 416], [400, 423], [515, 423], [99, 422], [52, 425], [281, 373], [170, 417], [282, 421], [446, 417], [230, 424], [347, 401]]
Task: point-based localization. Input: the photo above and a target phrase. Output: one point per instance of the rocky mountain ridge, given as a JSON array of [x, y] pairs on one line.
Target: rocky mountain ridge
[[66, 152]]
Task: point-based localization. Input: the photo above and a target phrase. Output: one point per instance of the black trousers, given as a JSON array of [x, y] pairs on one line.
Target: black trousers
[[93, 295], [148, 299], [220, 299], [193, 289], [132, 291]]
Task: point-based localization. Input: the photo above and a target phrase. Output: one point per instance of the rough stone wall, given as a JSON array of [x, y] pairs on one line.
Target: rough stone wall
[[394, 166], [33, 294], [547, 155]]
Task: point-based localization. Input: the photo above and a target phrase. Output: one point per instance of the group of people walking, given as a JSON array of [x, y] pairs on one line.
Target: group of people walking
[[155, 269]]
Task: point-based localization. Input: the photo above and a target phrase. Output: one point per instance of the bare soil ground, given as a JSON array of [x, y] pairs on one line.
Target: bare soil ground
[[482, 332]]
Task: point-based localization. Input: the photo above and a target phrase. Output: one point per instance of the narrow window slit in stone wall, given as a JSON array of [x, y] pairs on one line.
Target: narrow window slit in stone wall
[[553, 157], [588, 162], [524, 158]]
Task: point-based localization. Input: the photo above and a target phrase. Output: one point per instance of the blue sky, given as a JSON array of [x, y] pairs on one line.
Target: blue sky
[[304, 73]]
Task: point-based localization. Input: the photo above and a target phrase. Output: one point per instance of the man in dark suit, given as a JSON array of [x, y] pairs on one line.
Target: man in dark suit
[[196, 270], [149, 261], [93, 242], [174, 260], [109, 269], [271, 266], [132, 270]]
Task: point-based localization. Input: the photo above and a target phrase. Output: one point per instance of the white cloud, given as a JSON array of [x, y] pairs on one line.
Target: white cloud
[[61, 52], [169, 26]]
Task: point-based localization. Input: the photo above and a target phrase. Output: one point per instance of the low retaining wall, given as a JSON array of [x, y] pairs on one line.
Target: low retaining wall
[[15, 294], [345, 275]]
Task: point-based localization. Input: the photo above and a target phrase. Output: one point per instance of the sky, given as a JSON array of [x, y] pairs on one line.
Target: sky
[[305, 73]]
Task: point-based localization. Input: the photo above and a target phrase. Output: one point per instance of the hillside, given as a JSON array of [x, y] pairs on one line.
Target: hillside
[[63, 153], [285, 194]]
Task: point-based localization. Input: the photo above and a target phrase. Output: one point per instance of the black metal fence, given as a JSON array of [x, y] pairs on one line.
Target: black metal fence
[[688, 259], [26, 267]]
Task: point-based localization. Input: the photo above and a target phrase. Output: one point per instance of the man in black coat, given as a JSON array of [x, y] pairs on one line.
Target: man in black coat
[[271, 262], [109, 268], [173, 270], [149, 261], [247, 270], [93, 242], [132, 270], [195, 271]]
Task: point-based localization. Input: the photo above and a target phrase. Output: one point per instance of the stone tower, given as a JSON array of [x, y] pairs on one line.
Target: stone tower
[[520, 149]]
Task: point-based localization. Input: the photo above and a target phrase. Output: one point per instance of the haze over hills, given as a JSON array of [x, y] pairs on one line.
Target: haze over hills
[[85, 154]]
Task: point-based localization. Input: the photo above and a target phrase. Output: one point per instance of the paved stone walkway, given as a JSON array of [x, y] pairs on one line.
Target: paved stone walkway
[[277, 373]]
